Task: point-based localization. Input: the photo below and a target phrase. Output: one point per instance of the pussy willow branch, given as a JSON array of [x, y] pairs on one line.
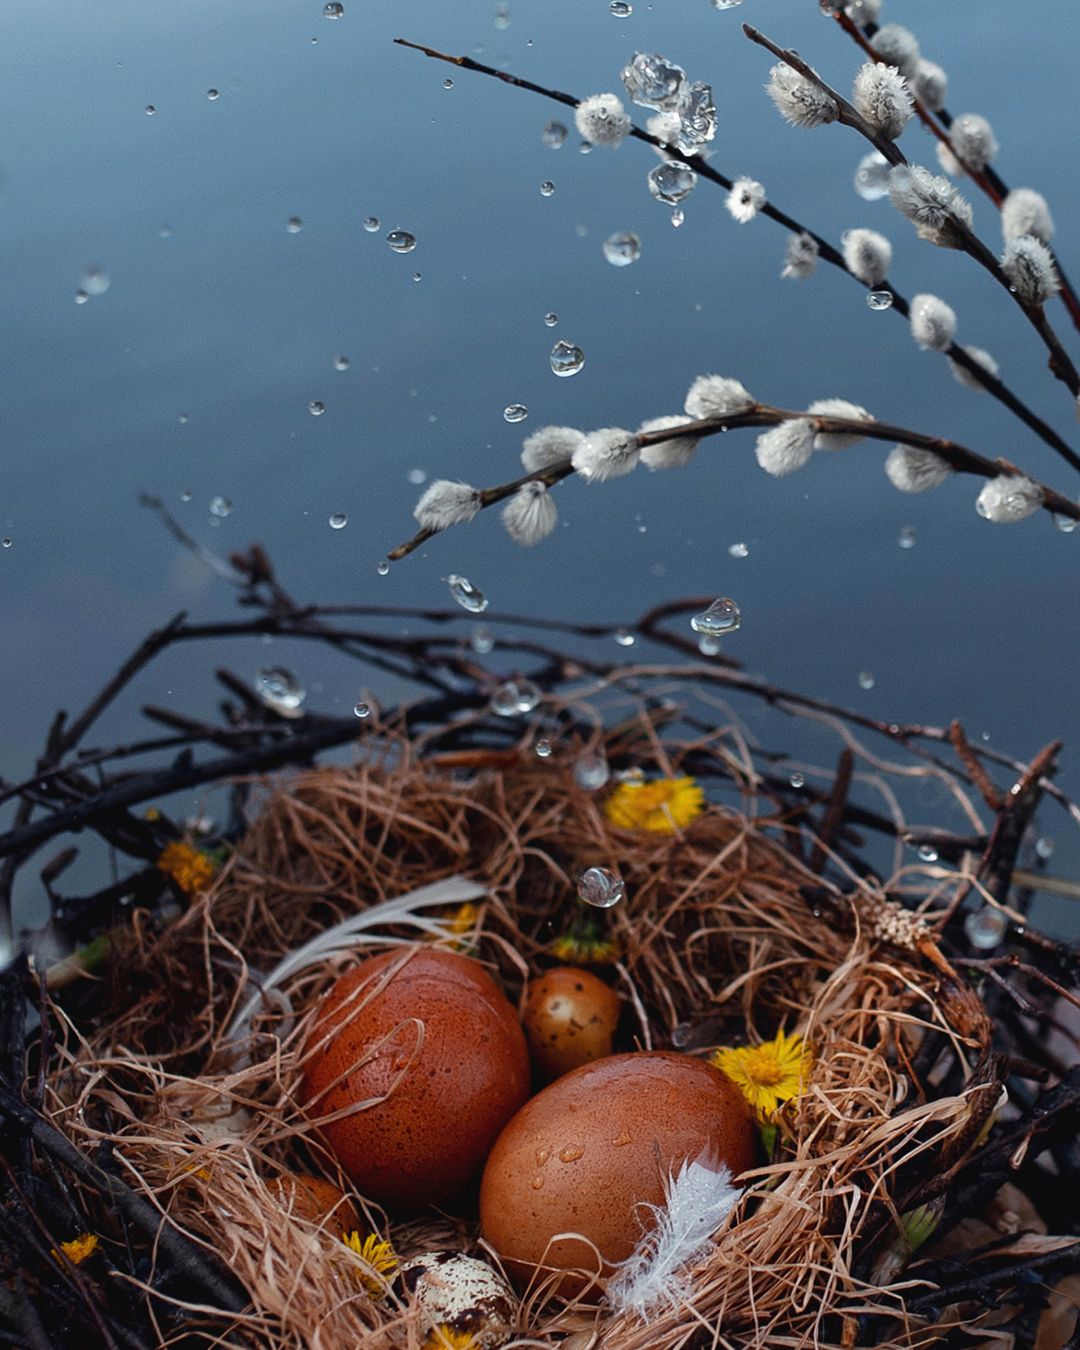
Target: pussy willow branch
[[959, 457], [992, 384], [938, 124], [1061, 364]]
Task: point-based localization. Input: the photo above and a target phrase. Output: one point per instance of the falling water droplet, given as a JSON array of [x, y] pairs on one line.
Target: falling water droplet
[[183, 419], [362, 710], [81, 297], [672, 181], [333, 11], [294, 225], [341, 363], [417, 476], [1044, 848], [1066, 524], [797, 780], [554, 135], [417, 276], [94, 280], [448, 83], [566, 359], [722, 616], [600, 888], [504, 701], [383, 568], [725, 4], [866, 679], [466, 594], [621, 9], [401, 241], [551, 319], [547, 188], [186, 495], [338, 520], [481, 639], [985, 927], [279, 689], [738, 550], [543, 748], [220, 507], [502, 16], [515, 412], [927, 854], [371, 224], [906, 537], [624, 637], [872, 177], [528, 696], [316, 408], [677, 217], [165, 232], [708, 645], [622, 249], [682, 1035], [150, 110], [6, 542], [213, 95], [879, 300], [591, 772]]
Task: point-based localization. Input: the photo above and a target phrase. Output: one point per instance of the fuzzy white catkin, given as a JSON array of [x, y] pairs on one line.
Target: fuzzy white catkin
[[930, 202], [898, 46], [745, 199], [1008, 498], [665, 126], [863, 11], [882, 98], [716, 396], [607, 453], [800, 257], [933, 322], [445, 504], [930, 83], [867, 255], [838, 407], [948, 161], [601, 119], [786, 447], [672, 454], [799, 100], [965, 377], [1025, 211], [911, 469], [550, 445], [1030, 269], [530, 514], [973, 141]]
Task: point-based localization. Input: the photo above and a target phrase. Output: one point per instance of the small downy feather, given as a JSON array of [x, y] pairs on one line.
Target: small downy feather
[[655, 1276]]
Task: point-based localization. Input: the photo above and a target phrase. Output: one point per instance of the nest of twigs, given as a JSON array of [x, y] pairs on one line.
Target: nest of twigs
[[724, 937]]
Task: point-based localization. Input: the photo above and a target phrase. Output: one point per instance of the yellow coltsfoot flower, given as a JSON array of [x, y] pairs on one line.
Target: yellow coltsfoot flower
[[376, 1253], [663, 806], [768, 1074], [78, 1249], [444, 1337], [189, 867]]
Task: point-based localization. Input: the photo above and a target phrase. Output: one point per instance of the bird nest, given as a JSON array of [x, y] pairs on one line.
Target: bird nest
[[725, 936]]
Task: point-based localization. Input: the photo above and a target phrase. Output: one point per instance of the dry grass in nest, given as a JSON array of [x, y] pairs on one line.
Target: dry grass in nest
[[717, 945]]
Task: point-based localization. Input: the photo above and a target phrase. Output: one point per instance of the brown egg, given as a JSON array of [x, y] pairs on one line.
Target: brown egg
[[570, 1019], [590, 1151], [434, 1049], [316, 1200]]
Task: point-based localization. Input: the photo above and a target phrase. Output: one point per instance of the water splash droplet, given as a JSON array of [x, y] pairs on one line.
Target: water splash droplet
[[362, 710], [872, 177], [927, 854], [985, 927], [622, 249], [709, 645], [448, 83], [279, 689], [621, 9], [150, 110], [1066, 524], [554, 135], [417, 276], [906, 537], [294, 225], [502, 16], [551, 319], [591, 772], [543, 748], [677, 218], [383, 568], [333, 11], [504, 701], [213, 95], [722, 616], [566, 359], [672, 181], [481, 639], [652, 81], [220, 507], [515, 412], [371, 224], [726, 4], [600, 888], [94, 280], [739, 550], [624, 637], [81, 297], [183, 419], [879, 300], [7, 541], [316, 408], [547, 188], [186, 495], [1044, 848], [466, 594], [341, 363], [401, 241], [866, 679], [338, 520], [797, 780]]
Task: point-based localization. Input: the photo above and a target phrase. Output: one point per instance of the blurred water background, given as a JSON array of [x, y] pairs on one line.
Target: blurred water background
[[194, 373]]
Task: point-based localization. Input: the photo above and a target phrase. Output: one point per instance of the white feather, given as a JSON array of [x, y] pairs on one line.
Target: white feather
[[698, 1201]]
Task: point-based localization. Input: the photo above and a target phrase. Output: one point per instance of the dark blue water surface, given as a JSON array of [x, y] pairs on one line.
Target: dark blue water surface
[[193, 373]]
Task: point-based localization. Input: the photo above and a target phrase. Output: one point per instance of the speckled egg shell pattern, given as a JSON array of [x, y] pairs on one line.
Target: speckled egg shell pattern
[[462, 1293]]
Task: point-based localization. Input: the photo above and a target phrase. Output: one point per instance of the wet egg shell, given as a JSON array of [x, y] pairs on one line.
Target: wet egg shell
[[428, 1043], [570, 1019], [589, 1152], [462, 1294], [316, 1200]]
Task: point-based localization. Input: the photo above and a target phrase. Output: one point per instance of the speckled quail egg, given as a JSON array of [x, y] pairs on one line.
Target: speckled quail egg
[[461, 1294]]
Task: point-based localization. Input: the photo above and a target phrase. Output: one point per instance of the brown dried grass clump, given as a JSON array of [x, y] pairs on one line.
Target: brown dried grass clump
[[717, 945]]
